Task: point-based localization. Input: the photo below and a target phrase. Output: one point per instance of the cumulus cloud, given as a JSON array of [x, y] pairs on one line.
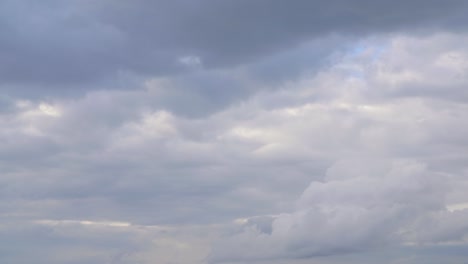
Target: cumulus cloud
[[364, 202], [360, 205]]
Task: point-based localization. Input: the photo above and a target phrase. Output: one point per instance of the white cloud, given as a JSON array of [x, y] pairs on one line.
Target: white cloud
[[361, 204], [395, 189]]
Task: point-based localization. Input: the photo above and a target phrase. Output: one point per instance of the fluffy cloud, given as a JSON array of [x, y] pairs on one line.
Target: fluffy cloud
[[361, 204], [395, 182]]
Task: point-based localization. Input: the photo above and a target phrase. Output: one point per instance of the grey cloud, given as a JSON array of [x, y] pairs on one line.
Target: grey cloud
[[52, 42], [84, 241], [66, 49], [230, 32], [146, 157], [116, 150], [72, 45]]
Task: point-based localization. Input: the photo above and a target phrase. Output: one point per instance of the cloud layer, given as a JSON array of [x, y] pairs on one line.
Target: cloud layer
[[233, 132]]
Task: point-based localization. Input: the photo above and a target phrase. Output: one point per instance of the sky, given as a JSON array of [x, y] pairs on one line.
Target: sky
[[233, 132]]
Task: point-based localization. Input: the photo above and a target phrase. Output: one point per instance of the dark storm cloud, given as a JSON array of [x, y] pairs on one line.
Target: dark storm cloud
[[231, 32], [56, 43]]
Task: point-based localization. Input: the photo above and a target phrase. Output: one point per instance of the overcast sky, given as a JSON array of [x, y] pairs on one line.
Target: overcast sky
[[233, 132]]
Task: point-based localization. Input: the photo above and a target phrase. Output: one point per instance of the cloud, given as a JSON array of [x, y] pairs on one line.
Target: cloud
[[361, 204], [335, 129], [364, 202], [124, 151], [64, 48], [85, 241]]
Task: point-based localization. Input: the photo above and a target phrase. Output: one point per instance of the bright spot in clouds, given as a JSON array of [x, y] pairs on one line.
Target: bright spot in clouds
[[49, 110]]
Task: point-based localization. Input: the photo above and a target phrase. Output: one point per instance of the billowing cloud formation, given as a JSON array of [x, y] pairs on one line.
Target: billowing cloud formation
[[245, 132], [364, 202], [361, 205]]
